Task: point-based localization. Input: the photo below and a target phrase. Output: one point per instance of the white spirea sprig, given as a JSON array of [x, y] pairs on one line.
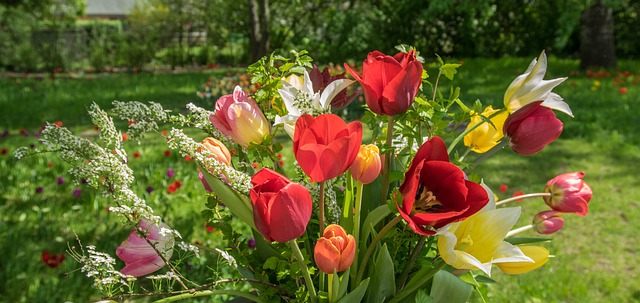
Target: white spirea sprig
[[189, 248], [108, 132], [144, 118], [100, 267], [177, 139], [200, 119]]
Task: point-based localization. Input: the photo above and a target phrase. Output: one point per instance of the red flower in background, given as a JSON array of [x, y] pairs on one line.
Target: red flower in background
[[531, 128], [390, 83], [173, 187], [436, 192], [281, 209], [52, 260], [503, 188], [325, 146]]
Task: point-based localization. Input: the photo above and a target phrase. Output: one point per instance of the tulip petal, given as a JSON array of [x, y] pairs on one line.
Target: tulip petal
[[554, 101], [143, 266], [290, 212], [326, 255], [401, 91], [348, 253]]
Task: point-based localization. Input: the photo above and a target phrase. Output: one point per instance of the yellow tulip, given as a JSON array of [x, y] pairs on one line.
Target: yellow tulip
[[538, 254], [485, 136]]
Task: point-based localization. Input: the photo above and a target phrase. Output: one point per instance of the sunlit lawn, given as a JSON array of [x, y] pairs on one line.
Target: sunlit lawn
[[595, 256]]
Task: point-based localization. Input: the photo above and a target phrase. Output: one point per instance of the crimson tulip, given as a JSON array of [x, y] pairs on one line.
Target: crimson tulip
[[390, 82], [436, 192], [531, 128], [569, 193], [281, 208], [335, 250], [321, 80], [325, 146]]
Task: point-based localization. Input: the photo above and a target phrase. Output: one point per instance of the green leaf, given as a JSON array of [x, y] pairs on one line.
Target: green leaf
[[357, 294], [237, 203], [374, 217], [518, 241], [383, 284], [447, 288], [449, 70], [485, 280], [423, 297]]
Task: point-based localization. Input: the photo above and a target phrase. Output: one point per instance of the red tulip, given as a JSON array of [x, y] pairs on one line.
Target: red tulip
[[281, 209], [436, 192], [569, 193], [335, 250], [390, 83], [531, 128], [325, 146]]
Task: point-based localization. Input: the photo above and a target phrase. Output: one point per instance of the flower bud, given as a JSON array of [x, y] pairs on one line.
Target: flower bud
[[531, 128], [548, 222], [569, 193], [366, 167], [538, 254], [239, 117], [218, 150], [335, 250]]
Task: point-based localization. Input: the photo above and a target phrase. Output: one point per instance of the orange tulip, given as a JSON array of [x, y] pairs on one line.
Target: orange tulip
[[366, 167], [218, 150], [335, 250]]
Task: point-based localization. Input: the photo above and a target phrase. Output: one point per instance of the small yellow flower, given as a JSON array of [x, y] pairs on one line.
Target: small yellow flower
[[487, 135], [538, 254], [596, 83]]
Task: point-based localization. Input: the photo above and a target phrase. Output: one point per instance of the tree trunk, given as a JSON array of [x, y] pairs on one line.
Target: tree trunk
[[597, 45], [259, 31]]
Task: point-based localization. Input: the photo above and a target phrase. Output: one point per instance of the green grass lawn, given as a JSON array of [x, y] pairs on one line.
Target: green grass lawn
[[595, 256]]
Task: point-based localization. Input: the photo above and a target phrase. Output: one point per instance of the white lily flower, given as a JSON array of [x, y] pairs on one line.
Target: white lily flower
[[299, 98], [529, 87]]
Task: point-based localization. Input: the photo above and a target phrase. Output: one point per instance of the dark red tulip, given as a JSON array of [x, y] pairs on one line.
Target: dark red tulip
[[531, 128], [390, 83], [321, 80], [281, 208], [325, 146], [436, 192], [52, 260]]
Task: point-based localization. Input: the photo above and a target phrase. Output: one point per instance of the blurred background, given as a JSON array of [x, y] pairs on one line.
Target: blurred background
[[59, 56], [95, 35]]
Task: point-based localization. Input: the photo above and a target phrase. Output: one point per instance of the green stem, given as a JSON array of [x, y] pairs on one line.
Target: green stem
[[372, 246], [321, 205], [470, 129], [206, 293], [412, 259], [384, 191], [305, 271], [425, 279], [516, 198], [356, 224], [331, 290], [465, 154], [518, 230], [490, 153]]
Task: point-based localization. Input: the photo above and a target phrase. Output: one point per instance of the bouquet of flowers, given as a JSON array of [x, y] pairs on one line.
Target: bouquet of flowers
[[312, 208]]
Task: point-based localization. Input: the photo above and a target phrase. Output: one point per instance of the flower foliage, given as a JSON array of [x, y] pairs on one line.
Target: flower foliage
[[274, 165]]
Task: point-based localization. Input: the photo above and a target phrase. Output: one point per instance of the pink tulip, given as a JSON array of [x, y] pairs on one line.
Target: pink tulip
[[569, 193], [239, 117], [548, 222], [139, 257]]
